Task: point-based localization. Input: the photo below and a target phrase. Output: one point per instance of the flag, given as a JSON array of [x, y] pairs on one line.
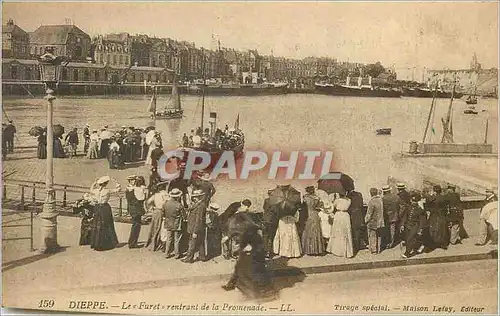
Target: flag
[[237, 123]]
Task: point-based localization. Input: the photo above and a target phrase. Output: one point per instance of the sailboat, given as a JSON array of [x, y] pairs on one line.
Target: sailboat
[[472, 99], [214, 140], [172, 109]]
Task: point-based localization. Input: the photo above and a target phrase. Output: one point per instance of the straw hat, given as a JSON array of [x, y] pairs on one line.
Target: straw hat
[[175, 193], [401, 185], [103, 180], [131, 177], [386, 188], [214, 206], [197, 193]]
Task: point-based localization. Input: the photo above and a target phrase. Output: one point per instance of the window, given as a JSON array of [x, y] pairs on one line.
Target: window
[[78, 51], [86, 75], [149, 77], [28, 74], [64, 74], [132, 77], [13, 72], [126, 60], [142, 77], [108, 59], [121, 59], [75, 75], [97, 75], [114, 59]]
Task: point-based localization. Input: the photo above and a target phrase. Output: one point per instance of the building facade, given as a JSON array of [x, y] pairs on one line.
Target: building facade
[[112, 49], [65, 40], [15, 41]]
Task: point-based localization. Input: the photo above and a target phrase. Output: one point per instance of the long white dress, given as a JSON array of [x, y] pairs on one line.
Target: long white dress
[[340, 243], [152, 146], [287, 242]]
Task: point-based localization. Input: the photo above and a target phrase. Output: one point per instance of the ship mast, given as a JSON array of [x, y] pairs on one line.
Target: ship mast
[[203, 89], [430, 112], [447, 123]]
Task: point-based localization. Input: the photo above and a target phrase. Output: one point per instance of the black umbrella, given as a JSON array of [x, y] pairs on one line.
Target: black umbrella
[[286, 199], [36, 131], [336, 182]]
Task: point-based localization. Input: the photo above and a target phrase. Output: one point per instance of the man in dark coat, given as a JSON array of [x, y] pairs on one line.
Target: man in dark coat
[[174, 214], [357, 219], [412, 223], [438, 221], [135, 210], [455, 215], [233, 208], [391, 203], [72, 139], [181, 184], [196, 227], [270, 221], [8, 134]]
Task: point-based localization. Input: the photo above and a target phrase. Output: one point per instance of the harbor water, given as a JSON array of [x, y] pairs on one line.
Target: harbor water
[[344, 125]]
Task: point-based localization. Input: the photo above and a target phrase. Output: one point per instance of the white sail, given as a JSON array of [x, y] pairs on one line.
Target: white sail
[[175, 103], [152, 103]]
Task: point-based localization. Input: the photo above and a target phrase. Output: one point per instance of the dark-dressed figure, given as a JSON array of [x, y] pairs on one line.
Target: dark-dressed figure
[[136, 195], [392, 204], [115, 158], [412, 225], [41, 151], [251, 274], [174, 214], [213, 245], [205, 185], [9, 133], [312, 240], [86, 209], [438, 223], [58, 148], [196, 227], [455, 216], [227, 244], [103, 228], [72, 139], [181, 184], [270, 221], [357, 219]]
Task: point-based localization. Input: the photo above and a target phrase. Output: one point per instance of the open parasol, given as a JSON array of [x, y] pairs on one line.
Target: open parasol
[[286, 199], [36, 131], [336, 182]]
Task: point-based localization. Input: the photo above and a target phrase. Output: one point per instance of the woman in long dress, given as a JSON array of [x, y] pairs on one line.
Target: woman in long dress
[[103, 229], [438, 223], [93, 152], [114, 155], [312, 239], [41, 151], [155, 143], [286, 241], [155, 205], [340, 243]]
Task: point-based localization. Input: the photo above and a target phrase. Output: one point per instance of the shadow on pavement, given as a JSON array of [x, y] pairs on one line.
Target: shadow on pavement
[[285, 276], [6, 266]]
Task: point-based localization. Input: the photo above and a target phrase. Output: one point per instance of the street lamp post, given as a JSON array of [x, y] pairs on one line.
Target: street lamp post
[[50, 69]]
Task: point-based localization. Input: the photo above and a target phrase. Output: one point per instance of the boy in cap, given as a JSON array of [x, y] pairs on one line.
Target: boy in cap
[[391, 204]]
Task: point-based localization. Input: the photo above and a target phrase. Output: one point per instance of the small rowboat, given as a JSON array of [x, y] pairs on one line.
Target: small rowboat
[[384, 131]]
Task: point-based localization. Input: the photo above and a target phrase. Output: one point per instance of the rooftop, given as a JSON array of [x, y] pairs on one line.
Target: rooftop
[[54, 34]]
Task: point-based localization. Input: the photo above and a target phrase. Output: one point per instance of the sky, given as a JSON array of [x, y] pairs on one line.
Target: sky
[[423, 34]]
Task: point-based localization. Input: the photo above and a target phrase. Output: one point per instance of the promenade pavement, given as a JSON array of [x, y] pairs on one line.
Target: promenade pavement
[[79, 269]]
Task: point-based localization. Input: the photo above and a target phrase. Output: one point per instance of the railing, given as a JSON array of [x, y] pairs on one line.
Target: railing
[[19, 194]]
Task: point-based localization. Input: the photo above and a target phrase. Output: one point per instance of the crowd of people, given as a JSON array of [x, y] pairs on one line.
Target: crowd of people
[[186, 221], [129, 144], [216, 140]]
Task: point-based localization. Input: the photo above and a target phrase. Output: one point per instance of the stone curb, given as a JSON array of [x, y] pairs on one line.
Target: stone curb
[[286, 272]]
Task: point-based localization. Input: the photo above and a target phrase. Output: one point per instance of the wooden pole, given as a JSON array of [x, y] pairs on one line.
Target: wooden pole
[[430, 113], [486, 131], [21, 207]]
